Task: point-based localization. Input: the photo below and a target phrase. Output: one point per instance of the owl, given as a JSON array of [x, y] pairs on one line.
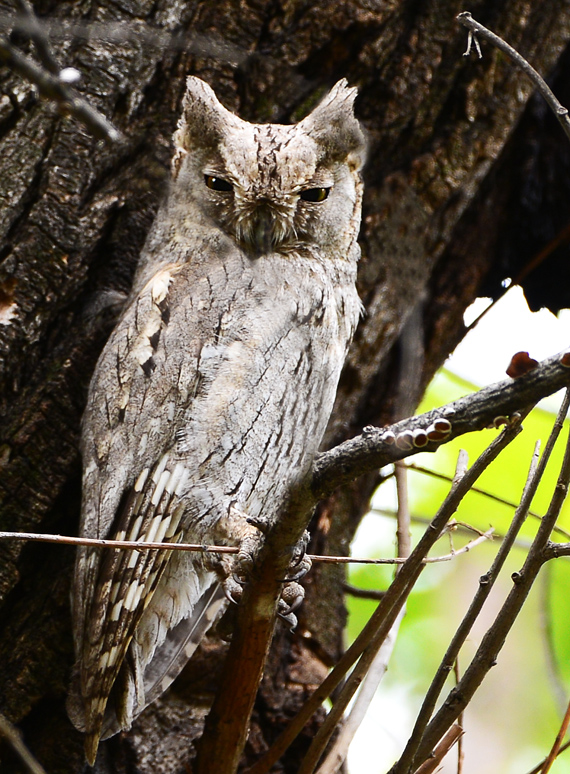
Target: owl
[[212, 395]]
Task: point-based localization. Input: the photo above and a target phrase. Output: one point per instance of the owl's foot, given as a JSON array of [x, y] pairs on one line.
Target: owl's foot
[[233, 589], [239, 568], [291, 599]]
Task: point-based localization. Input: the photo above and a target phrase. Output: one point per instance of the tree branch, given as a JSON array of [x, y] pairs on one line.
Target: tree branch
[[475, 28], [48, 79], [494, 638], [14, 739], [381, 621], [377, 447]]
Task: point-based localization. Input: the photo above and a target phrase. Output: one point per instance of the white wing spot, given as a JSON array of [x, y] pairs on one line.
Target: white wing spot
[[140, 482]]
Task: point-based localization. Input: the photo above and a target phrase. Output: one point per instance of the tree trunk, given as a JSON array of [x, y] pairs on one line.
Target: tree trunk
[[456, 200]]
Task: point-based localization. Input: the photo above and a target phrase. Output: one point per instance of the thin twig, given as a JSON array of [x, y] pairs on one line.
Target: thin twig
[[354, 591], [385, 614], [547, 632], [476, 28], [460, 722], [478, 490], [14, 739], [454, 735], [52, 87], [38, 37], [553, 754], [538, 768], [337, 753], [143, 546], [486, 583], [492, 642]]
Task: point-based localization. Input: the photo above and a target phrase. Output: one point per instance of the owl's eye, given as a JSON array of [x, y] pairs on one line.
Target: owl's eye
[[315, 194], [218, 183]]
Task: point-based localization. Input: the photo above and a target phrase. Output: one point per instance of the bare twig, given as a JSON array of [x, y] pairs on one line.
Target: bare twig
[[14, 739], [553, 754], [338, 752], [385, 614], [143, 546], [460, 722], [536, 471], [538, 768], [495, 636], [38, 37], [453, 735], [475, 28], [489, 495], [547, 632], [48, 78], [354, 591]]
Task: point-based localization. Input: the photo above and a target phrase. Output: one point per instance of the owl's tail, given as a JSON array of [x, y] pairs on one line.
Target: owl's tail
[[139, 684]]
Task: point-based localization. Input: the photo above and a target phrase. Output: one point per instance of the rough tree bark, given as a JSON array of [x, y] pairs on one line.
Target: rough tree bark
[[464, 186]]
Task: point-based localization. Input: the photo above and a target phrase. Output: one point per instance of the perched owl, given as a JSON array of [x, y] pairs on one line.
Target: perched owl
[[212, 394]]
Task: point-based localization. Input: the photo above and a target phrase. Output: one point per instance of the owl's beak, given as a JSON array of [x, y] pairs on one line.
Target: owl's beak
[[263, 229], [263, 237]]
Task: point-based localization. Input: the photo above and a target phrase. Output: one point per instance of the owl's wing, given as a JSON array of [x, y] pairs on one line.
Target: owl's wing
[[125, 584], [133, 490]]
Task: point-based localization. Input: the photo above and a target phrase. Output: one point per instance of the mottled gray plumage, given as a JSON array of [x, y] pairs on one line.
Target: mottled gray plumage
[[213, 393]]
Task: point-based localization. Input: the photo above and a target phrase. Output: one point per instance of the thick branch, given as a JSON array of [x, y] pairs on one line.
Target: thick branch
[[377, 447]]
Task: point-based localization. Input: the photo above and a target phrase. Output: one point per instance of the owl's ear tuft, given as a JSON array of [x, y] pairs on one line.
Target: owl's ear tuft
[[333, 126], [204, 119]]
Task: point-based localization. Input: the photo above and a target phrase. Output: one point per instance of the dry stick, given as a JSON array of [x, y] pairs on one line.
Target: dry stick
[[338, 751], [538, 769], [143, 546], [557, 742], [14, 739], [51, 87], [454, 735], [486, 583], [460, 753], [366, 662], [559, 110], [494, 639], [38, 37], [547, 636], [383, 617]]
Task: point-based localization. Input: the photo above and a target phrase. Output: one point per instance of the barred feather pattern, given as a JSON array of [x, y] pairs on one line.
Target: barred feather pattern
[[213, 393]]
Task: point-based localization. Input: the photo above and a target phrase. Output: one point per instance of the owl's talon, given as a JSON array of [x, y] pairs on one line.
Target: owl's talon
[[290, 619], [233, 590], [292, 597], [303, 565], [259, 524]]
